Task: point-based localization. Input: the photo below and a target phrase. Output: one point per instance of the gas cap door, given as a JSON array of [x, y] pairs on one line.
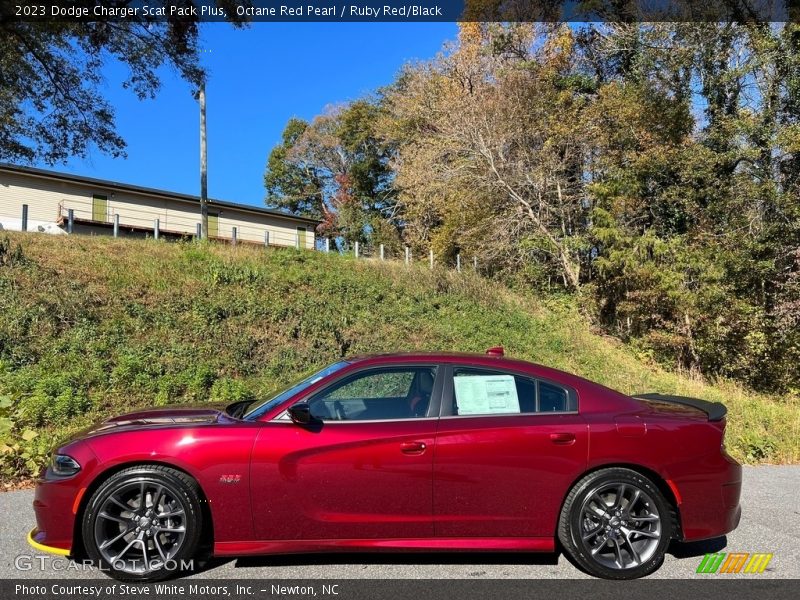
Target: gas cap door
[[630, 426]]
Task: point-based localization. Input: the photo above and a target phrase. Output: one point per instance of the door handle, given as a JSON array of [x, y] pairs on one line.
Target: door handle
[[562, 438], [412, 447]]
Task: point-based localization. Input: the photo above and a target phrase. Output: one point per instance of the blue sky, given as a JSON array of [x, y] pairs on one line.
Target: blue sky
[[259, 78]]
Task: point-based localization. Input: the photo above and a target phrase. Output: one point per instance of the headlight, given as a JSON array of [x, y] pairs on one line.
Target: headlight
[[63, 465]]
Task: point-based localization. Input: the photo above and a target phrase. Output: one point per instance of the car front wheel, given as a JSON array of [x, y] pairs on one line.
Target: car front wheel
[[143, 523], [616, 524]]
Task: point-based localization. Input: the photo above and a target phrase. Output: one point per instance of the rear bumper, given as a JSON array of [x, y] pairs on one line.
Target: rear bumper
[[709, 504]]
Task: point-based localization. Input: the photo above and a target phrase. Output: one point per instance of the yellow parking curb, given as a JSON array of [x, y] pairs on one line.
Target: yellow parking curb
[[43, 548]]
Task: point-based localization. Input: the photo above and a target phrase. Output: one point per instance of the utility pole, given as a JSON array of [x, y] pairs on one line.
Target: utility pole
[[201, 96]]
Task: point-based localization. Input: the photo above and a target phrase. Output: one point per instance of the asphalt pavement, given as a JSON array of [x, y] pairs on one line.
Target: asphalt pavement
[[770, 523]]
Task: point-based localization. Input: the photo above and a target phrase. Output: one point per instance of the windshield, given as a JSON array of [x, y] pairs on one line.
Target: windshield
[[295, 388]]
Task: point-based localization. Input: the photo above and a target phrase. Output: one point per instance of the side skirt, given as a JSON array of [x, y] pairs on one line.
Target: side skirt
[[538, 544]]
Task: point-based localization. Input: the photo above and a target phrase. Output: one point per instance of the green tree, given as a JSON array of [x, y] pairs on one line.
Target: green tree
[[336, 169], [695, 234], [51, 101], [293, 184]]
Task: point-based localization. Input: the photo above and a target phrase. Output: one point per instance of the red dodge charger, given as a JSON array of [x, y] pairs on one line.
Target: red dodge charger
[[398, 452]]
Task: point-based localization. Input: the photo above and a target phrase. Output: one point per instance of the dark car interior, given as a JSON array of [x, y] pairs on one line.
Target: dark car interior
[[389, 394]]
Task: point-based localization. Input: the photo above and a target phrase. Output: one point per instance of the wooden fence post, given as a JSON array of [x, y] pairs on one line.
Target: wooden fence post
[[356, 249], [266, 239], [234, 236], [381, 251]]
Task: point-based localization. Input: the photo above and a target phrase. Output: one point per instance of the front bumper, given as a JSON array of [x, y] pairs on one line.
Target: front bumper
[[56, 503], [34, 535]]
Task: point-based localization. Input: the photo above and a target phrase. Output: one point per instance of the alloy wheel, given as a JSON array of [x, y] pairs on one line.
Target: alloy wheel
[[620, 525], [140, 526]]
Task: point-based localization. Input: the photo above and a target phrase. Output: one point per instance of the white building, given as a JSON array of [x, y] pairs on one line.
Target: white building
[[97, 204]]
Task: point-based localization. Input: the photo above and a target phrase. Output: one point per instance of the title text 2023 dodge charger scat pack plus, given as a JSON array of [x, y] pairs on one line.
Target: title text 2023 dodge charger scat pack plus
[[398, 452]]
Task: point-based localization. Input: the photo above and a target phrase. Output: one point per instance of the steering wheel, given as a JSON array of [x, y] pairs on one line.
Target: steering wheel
[[339, 409]]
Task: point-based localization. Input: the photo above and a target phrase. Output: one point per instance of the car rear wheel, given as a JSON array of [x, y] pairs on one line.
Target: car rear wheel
[[616, 524], [143, 523]]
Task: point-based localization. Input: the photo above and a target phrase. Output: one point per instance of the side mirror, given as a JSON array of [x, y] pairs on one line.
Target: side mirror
[[300, 413]]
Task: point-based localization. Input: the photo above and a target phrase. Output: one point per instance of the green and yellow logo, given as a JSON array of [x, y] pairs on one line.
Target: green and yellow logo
[[734, 562]]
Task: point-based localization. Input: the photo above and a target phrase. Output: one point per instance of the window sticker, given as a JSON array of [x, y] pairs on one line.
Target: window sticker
[[486, 394]]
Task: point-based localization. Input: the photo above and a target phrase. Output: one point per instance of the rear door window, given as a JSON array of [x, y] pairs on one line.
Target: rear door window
[[487, 392]]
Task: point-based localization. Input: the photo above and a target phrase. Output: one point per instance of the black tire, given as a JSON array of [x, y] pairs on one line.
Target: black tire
[[165, 531], [606, 540]]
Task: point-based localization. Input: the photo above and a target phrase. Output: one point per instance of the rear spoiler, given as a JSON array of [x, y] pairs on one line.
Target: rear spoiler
[[716, 411]]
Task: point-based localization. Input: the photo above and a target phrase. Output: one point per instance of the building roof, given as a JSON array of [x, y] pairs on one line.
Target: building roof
[[126, 187]]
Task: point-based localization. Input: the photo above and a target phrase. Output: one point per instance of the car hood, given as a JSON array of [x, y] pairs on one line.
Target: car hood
[[205, 414]]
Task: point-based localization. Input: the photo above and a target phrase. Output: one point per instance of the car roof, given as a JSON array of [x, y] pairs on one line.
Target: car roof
[[423, 355], [484, 360]]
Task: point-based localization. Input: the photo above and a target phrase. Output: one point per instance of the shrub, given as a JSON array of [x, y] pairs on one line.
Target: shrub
[[229, 390]]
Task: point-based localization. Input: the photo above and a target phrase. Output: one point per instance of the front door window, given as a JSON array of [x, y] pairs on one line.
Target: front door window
[[380, 394]]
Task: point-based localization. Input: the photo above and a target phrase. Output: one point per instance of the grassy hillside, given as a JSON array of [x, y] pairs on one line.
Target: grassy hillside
[[94, 326]]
